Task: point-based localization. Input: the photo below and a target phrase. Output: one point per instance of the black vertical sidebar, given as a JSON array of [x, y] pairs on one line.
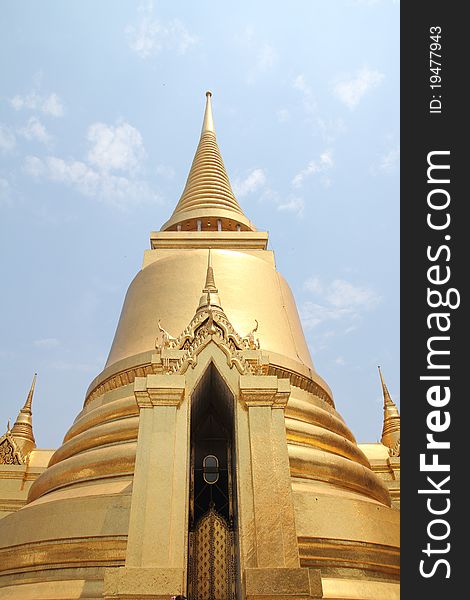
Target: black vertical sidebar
[[435, 232]]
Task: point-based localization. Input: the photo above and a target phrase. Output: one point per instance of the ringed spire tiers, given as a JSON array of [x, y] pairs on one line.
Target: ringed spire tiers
[[208, 202], [210, 297], [391, 426], [22, 430]]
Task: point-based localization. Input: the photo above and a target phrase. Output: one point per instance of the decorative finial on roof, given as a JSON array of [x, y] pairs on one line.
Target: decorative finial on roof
[[210, 286], [210, 297], [391, 425], [22, 430], [387, 398], [208, 123]]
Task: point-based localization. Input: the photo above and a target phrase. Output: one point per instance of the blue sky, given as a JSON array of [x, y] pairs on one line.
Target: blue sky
[[101, 105]]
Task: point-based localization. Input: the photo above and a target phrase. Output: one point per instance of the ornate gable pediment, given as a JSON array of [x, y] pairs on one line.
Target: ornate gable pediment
[[177, 354], [209, 325], [9, 452]]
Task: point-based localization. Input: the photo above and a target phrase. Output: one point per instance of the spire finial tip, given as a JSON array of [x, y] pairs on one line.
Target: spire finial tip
[[208, 124]]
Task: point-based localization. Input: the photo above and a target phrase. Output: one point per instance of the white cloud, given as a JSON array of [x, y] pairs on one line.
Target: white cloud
[[314, 285], [283, 115], [324, 163], [270, 195], [266, 57], [47, 343], [29, 101], [340, 361], [115, 148], [34, 166], [5, 191], [351, 89], [112, 148], [262, 55], [118, 191], [390, 161], [313, 314], [165, 171], [343, 294], [337, 300], [50, 105], [330, 129], [308, 98], [293, 205], [300, 83], [35, 130], [255, 180], [7, 139], [151, 35], [71, 172]]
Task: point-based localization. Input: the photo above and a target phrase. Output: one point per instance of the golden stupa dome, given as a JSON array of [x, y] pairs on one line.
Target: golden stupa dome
[[76, 522]]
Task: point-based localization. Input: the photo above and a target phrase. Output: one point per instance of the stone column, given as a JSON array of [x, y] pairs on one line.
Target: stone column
[[155, 558], [278, 572]]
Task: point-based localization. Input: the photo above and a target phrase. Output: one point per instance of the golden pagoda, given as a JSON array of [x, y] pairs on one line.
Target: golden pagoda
[[17, 442], [208, 459]]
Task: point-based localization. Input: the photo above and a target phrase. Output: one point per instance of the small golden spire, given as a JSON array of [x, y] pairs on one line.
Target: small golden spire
[[387, 398], [210, 286], [391, 426], [210, 297], [208, 123], [22, 430]]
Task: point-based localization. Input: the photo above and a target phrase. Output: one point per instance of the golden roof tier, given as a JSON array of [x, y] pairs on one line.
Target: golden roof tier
[[198, 391]]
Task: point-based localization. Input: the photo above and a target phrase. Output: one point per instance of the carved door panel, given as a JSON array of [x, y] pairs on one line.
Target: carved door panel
[[211, 561]]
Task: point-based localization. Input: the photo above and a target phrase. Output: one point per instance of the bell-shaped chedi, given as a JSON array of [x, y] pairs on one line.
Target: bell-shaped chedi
[[208, 436]]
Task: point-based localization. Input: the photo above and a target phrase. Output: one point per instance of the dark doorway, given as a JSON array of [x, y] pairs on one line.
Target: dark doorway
[[212, 515]]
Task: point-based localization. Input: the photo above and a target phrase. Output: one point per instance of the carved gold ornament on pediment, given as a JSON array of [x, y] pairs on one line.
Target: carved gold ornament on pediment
[[177, 354], [9, 454]]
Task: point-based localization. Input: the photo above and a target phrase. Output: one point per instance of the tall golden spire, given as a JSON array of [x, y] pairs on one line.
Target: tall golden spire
[[22, 430], [208, 202], [391, 426]]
